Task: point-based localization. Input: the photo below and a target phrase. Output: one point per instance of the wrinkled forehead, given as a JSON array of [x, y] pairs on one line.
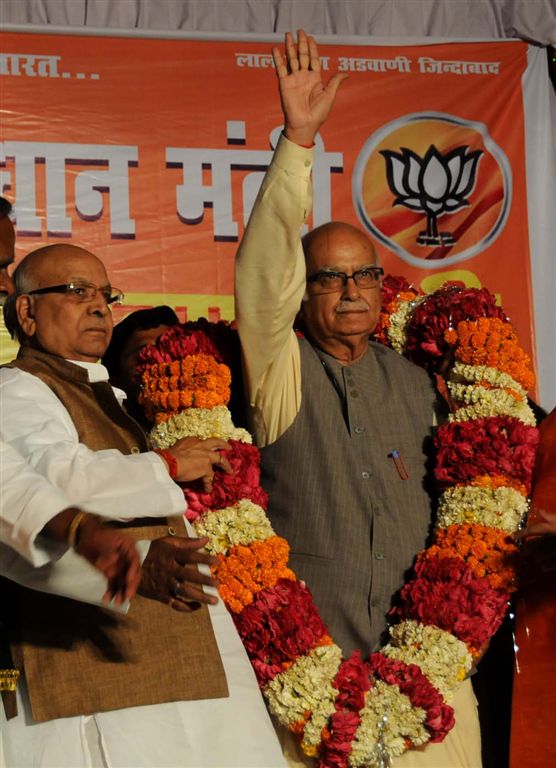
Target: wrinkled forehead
[[343, 250], [62, 265]]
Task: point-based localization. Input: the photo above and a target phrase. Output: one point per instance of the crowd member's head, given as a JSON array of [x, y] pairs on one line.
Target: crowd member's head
[[7, 249], [342, 301], [61, 303], [136, 331]]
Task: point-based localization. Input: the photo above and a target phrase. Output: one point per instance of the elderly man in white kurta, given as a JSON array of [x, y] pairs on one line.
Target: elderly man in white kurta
[[63, 315]]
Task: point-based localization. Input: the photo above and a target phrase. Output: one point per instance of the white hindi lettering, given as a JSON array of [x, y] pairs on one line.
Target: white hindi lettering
[[192, 196], [435, 66], [427, 64], [400, 63], [112, 176], [264, 60], [24, 64], [254, 60]]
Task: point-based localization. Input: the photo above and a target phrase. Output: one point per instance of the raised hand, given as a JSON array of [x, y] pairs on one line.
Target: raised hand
[[170, 573], [306, 100]]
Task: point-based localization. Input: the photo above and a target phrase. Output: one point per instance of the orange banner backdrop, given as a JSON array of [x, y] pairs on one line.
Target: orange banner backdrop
[[150, 153]]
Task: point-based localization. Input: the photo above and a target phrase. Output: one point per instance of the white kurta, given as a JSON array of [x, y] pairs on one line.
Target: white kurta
[[235, 731]]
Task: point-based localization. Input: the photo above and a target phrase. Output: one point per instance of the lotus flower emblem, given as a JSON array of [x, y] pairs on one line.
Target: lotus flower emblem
[[435, 184]]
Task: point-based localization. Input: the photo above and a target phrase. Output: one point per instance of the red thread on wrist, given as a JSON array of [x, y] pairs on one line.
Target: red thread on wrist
[[171, 461]]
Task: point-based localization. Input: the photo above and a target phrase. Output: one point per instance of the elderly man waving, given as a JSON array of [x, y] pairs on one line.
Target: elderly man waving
[[332, 412], [61, 414]]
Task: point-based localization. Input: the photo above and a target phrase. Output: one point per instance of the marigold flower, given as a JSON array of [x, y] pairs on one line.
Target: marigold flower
[[248, 569]]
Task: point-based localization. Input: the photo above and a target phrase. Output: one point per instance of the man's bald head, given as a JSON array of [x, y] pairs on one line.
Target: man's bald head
[[58, 321], [324, 246], [40, 264]]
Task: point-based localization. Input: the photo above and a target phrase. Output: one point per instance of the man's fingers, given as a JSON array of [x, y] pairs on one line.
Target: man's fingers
[[207, 481], [221, 461], [281, 69], [183, 606], [216, 443], [133, 579], [335, 82], [314, 58], [188, 591], [188, 588], [291, 53], [199, 558], [303, 49]]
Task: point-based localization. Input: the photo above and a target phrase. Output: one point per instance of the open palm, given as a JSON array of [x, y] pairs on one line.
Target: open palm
[[306, 100]]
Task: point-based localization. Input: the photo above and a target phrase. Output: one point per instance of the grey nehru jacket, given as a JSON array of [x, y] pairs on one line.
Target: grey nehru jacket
[[353, 523]]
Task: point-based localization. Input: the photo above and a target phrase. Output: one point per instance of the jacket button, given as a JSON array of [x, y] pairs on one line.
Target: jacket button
[[135, 449]]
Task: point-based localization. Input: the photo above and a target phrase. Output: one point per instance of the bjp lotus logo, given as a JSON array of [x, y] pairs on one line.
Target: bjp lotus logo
[[433, 186]]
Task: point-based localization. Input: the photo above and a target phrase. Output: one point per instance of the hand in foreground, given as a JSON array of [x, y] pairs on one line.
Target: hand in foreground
[[306, 101], [115, 555], [198, 459], [110, 551], [170, 573]]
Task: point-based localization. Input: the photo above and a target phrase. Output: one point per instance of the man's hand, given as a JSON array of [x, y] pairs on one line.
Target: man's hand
[[198, 459], [110, 551], [170, 573], [114, 554], [306, 101]]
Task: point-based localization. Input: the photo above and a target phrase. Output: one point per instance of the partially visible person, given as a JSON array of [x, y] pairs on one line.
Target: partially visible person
[[152, 687], [534, 692], [129, 337], [38, 525], [8, 348], [493, 681]]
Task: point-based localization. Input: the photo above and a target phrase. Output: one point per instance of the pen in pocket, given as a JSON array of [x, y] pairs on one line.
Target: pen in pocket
[[399, 463]]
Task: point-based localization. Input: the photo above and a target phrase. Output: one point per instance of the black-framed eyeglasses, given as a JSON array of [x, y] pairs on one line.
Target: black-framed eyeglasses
[[80, 291], [327, 281]]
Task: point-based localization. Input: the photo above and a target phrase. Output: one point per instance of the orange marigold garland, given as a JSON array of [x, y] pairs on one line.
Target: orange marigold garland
[[196, 381], [349, 712]]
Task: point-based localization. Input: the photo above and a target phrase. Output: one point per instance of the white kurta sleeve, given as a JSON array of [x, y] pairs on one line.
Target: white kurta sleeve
[[36, 424], [70, 576], [270, 284], [27, 503]]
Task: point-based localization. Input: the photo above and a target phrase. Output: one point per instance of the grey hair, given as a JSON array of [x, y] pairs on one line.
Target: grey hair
[[23, 284]]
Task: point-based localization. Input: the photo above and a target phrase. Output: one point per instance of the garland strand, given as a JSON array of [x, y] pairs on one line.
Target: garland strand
[[355, 712]]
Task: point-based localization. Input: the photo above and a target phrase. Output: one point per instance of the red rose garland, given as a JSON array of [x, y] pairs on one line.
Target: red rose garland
[[498, 445], [353, 711], [243, 483]]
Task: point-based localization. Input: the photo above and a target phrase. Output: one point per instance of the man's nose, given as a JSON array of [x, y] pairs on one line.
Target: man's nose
[[98, 305], [351, 289]]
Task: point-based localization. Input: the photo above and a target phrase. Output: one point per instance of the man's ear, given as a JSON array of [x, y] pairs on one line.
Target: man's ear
[[25, 316]]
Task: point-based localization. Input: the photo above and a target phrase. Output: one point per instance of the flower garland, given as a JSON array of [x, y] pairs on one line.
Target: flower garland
[[355, 712]]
